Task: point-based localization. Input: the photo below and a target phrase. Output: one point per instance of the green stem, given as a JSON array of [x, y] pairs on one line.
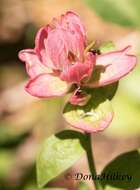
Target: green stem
[[91, 161]]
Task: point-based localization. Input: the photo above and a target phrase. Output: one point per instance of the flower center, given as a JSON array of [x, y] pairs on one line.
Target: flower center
[[71, 57]]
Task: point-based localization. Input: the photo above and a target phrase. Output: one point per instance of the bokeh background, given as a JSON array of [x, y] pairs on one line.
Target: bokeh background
[[25, 121]]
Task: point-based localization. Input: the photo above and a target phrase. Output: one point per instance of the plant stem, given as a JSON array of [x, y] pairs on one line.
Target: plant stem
[[91, 161]]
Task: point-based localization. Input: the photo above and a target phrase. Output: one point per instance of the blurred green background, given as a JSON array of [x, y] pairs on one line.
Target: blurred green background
[[25, 121]]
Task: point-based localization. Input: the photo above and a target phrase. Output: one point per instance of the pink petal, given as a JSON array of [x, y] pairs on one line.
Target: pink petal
[[33, 64], [75, 44], [79, 71], [79, 98], [46, 85], [40, 48], [58, 45], [111, 67], [52, 45], [41, 35], [72, 22], [56, 49], [104, 123]]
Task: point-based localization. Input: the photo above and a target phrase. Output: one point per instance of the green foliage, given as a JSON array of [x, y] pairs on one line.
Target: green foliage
[[127, 164], [54, 189], [108, 91], [92, 113], [107, 47], [83, 186], [127, 115], [124, 12], [6, 161], [130, 84], [34, 188], [58, 153], [126, 105], [7, 134]]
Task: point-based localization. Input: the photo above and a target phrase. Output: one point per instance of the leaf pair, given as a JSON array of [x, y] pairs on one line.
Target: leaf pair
[[96, 114], [61, 151]]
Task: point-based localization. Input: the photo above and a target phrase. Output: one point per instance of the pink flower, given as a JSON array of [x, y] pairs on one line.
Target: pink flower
[[60, 59]]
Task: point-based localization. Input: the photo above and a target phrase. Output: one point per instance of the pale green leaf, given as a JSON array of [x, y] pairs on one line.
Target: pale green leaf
[[58, 153], [92, 114]]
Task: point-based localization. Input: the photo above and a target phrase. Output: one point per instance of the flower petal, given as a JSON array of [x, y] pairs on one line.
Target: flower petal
[[46, 85], [33, 64], [71, 21], [103, 124], [79, 71], [52, 45], [56, 49], [41, 35], [58, 45], [79, 97], [111, 67], [40, 48]]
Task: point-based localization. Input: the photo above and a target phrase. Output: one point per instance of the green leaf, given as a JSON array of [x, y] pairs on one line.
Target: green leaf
[[125, 169], [83, 186], [58, 153], [109, 91], [107, 47], [124, 12], [90, 117]]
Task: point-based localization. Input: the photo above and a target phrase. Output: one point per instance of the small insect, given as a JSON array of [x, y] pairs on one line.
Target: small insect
[[95, 51]]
